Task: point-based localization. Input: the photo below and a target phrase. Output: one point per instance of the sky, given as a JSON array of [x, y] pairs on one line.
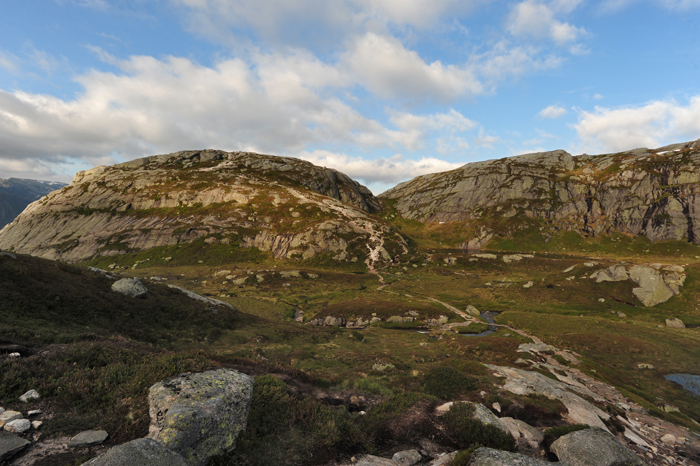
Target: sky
[[382, 90]]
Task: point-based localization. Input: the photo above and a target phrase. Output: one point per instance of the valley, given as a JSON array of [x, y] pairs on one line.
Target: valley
[[346, 308]]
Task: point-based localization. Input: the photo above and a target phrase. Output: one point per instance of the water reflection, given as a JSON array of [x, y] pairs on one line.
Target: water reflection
[[688, 381]]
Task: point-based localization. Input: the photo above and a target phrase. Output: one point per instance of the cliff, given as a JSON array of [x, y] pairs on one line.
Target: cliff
[[654, 193]]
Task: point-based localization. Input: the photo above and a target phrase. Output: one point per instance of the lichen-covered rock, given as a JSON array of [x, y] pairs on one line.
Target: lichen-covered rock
[[140, 452], [594, 447], [199, 415], [131, 287], [490, 457]]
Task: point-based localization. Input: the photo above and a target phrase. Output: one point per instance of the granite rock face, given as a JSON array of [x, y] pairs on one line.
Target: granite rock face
[[652, 193], [284, 206], [199, 415], [594, 447], [140, 452]]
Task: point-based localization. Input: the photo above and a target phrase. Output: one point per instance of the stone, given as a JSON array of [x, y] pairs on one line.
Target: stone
[[18, 426], [485, 256], [8, 416], [406, 458], [34, 412], [10, 445], [490, 457], [36, 424], [496, 406], [131, 287], [444, 460], [645, 366], [199, 415], [674, 323], [140, 452], [668, 439], [512, 258], [30, 395], [535, 348], [652, 288], [472, 310], [614, 273], [529, 284], [519, 429], [593, 447], [521, 362], [88, 438], [371, 460], [481, 413], [621, 314]]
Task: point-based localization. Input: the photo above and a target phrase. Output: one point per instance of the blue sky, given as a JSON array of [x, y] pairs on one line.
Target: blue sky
[[383, 90]]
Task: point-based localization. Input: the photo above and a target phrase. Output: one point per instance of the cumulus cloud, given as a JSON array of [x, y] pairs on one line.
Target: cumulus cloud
[[504, 61], [537, 19], [552, 112], [379, 171], [674, 5], [387, 68], [651, 125]]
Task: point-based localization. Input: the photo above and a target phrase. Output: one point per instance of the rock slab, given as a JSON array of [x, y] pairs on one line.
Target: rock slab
[[200, 415], [490, 457], [131, 287], [594, 447], [140, 452], [10, 445], [88, 438]]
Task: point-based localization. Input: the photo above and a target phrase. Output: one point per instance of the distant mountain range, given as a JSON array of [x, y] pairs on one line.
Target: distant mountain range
[[16, 194]]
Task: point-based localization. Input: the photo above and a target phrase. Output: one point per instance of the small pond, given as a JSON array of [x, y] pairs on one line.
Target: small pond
[[488, 316], [688, 381]]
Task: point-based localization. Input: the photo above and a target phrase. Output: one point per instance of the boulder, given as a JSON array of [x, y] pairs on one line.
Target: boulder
[[614, 273], [490, 457], [674, 323], [10, 445], [406, 458], [519, 429], [444, 460], [199, 415], [8, 416], [481, 413], [131, 287], [371, 460], [472, 310], [30, 395], [18, 426], [593, 447], [652, 288], [140, 452], [88, 438]]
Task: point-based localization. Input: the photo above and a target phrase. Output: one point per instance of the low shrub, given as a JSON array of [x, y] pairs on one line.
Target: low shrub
[[467, 432], [447, 383]]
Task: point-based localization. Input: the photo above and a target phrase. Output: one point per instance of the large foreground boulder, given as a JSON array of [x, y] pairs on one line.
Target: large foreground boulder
[[200, 415], [10, 445], [140, 452], [594, 447], [490, 457]]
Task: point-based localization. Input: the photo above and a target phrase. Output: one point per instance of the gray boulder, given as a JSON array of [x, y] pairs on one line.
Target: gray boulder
[[18, 426], [594, 447], [130, 287], [371, 460], [141, 452], [200, 415], [88, 438], [674, 323], [30, 395], [652, 288], [490, 457], [406, 458], [614, 273], [10, 445]]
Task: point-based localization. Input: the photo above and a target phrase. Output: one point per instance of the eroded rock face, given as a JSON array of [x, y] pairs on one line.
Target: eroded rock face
[[653, 193], [286, 206], [200, 415], [594, 447]]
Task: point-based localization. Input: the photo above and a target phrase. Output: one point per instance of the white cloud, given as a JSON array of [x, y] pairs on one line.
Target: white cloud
[[552, 112], [383, 65], [652, 125], [8, 61], [380, 171], [674, 5], [503, 61], [536, 19], [414, 129]]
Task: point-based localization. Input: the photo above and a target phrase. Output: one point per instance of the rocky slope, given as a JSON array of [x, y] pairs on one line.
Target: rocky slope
[[654, 193], [16, 194], [289, 207]]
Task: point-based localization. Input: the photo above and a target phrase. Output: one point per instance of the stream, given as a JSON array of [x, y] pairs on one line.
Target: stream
[[489, 317]]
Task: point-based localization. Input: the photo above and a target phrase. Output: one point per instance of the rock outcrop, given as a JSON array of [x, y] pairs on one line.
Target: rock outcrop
[[286, 206], [199, 415], [594, 447], [653, 193]]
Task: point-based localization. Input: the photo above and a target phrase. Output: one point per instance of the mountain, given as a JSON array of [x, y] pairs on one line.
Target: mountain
[[226, 203], [653, 193], [16, 194]]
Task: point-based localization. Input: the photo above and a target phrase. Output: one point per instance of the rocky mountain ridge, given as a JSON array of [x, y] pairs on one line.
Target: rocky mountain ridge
[[16, 194], [653, 193], [286, 206]]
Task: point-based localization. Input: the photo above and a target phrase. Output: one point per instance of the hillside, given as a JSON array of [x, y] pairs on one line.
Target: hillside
[[233, 204], [16, 194], [649, 193]]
